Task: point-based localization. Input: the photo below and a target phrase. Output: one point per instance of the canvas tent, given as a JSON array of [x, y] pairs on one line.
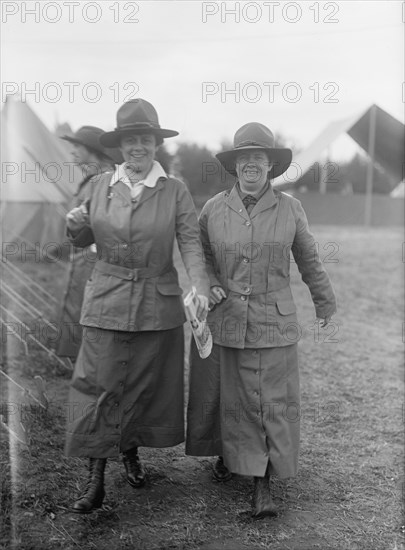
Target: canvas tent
[[374, 130], [38, 178]]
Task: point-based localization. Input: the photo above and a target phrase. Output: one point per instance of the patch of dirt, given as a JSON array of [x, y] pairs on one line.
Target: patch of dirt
[[349, 491]]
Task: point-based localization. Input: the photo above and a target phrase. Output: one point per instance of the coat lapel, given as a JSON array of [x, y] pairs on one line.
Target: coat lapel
[[120, 189], [149, 192], [268, 200], [234, 202]]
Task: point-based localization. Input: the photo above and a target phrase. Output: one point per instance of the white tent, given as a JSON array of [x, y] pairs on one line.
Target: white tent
[[381, 135], [38, 178]]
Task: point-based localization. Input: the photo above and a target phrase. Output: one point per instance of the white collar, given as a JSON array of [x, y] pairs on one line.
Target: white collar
[[151, 179]]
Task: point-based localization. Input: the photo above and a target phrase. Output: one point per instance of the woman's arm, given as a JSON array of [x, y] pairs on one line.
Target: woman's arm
[[310, 266], [79, 231], [188, 238]]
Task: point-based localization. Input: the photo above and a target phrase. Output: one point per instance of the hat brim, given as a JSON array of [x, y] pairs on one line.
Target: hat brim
[[113, 139], [115, 156], [281, 157]]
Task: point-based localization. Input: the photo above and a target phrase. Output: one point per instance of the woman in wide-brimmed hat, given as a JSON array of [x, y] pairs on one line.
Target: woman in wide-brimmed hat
[[244, 399], [92, 159], [127, 387]]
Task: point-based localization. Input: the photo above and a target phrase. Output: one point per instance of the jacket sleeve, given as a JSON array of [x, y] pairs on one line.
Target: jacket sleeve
[[313, 274], [208, 254], [82, 238], [188, 238]]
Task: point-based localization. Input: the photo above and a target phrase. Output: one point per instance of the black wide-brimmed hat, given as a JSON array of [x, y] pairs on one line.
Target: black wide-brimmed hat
[[89, 136], [254, 135], [136, 116]]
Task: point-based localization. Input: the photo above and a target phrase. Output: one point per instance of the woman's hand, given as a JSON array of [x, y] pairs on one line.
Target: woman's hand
[[217, 294], [324, 322], [202, 309], [77, 218]]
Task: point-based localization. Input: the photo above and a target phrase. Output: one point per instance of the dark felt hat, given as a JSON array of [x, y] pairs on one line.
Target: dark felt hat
[[254, 135], [89, 136], [136, 116]]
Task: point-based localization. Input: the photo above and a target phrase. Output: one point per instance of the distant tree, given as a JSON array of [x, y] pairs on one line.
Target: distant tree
[[164, 158], [344, 175], [201, 170]]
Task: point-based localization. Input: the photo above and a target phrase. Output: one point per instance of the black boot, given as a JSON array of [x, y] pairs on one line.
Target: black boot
[[263, 504], [93, 494], [136, 475], [220, 471]]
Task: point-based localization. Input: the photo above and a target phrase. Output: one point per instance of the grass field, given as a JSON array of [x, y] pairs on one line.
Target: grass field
[[349, 492]]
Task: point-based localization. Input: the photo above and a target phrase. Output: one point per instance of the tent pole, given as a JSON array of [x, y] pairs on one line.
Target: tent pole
[[370, 166]]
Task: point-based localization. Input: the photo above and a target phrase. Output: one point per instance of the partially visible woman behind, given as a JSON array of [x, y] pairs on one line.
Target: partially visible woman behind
[[241, 408], [93, 159], [127, 387]]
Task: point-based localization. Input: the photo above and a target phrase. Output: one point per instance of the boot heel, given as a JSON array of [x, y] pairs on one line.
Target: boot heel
[[263, 504], [93, 494], [135, 472]]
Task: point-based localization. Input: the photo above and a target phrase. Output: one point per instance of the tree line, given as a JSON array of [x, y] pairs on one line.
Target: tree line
[[197, 166]]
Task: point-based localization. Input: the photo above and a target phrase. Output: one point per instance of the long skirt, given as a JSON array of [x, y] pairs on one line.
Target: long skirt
[[127, 391], [203, 437], [250, 400]]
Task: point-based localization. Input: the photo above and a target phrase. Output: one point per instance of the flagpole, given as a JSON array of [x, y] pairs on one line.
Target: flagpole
[[370, 166]]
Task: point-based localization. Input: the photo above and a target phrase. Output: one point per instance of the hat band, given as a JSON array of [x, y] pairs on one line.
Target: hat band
[[254, 143], [131, 125]]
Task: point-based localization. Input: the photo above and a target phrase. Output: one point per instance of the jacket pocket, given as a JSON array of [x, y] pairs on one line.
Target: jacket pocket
[[286, 307], [169, 288]]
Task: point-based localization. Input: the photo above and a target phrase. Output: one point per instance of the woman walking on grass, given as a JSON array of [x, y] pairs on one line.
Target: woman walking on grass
[[127, 387], [240, 396]]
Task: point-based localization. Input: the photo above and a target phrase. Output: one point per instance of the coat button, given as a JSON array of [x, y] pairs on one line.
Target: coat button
[[124, 363], [124, 246], [248, 290], [243, 298], [246, 260], [240, 210], [248, 223], [116, 404]]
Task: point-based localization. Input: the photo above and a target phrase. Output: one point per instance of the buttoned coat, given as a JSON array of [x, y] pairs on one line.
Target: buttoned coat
[[249, 256], [134, 285]]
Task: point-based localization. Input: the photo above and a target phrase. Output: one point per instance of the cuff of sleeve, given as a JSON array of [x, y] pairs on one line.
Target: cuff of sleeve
[[321, 313]]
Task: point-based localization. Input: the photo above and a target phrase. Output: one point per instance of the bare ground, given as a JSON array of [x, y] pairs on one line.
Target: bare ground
[[349, 492]]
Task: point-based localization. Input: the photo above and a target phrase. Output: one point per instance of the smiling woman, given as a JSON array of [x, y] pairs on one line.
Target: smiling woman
[[128, 379], [238, 398], [139, 153]]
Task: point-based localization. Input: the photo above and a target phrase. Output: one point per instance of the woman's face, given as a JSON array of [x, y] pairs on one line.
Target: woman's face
[[81, 155], [139, 152], [252, 167]]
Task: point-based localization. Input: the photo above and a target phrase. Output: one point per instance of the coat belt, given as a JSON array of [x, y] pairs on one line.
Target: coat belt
[[129, 274]]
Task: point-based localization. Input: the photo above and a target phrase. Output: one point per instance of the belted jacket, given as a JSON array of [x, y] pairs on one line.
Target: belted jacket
[[134, 285], [249, 256]]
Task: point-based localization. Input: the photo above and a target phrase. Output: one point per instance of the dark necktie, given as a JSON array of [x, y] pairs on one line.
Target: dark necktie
[[249, 202]]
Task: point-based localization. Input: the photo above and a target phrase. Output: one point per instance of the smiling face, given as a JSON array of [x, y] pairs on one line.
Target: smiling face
[[139, 152], [252, 167]]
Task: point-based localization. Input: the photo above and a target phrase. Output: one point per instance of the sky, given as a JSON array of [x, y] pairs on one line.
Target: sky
[[207, 67]]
